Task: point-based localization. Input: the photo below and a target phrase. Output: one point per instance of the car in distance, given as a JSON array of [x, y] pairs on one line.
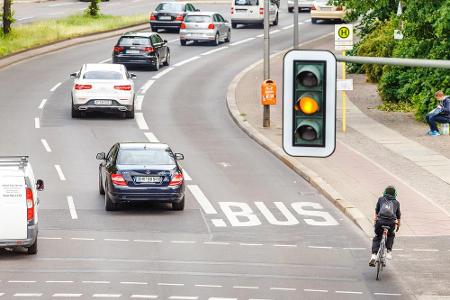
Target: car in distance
[[205, 27], [252, 12], [170, 15], [321, 10], [137, 172], [302, 5], [19, 204], [103, 88], [141, 48]]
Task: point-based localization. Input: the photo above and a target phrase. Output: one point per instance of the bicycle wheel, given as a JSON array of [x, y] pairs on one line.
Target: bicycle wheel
[[380, 258], [378, 269]]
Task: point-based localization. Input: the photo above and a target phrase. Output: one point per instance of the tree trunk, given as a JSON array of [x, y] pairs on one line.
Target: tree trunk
[[7, 16]]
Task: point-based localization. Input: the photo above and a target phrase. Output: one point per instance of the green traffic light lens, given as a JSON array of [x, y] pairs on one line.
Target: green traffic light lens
[[307, 133], [307, 79]]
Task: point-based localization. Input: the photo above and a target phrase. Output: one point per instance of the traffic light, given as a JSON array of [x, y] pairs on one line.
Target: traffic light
[[309, 103]]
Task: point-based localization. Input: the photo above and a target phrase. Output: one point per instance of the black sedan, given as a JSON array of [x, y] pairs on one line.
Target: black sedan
[[136, 172], [170, 15], [141, 48]]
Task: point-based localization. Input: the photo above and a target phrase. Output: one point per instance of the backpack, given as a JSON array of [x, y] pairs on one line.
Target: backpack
[[387, 210]]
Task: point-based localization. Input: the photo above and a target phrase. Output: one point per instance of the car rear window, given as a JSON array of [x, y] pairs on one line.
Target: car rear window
[[170, 7], [98, 74], [145, 157], [197, 19], [246, 2], [134, 41]]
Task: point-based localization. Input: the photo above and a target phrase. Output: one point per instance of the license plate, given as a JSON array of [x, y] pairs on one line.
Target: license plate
[[165, 18], [133, 52], [326, 8], [148, 179], [102, 102]]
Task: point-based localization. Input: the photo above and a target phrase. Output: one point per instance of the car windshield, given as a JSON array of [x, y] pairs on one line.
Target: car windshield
[[101, 74], [197, 19], [145, 157], [247, 2], [134, 41], [170, 7]]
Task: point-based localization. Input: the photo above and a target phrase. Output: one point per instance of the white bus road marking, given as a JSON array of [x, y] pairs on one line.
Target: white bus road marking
[[146, 86], [72, 209], [104, 61], [348, 292], [202, 200], [139, 117], [37, 123], [214, 51], [151, 137], [41, 106], [46, 146], [144, 296], [186, 175], [161, 74], [219, 223], [243, 41], [60, 173], [55, 87], [107, 295], [67, 295], [27, 294], [139, 101], [186, 61]]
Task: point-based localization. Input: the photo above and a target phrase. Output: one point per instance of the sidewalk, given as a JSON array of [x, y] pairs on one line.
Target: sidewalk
[[368, 157]]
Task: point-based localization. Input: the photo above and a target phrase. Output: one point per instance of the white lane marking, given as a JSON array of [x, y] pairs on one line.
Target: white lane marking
[[59, 281], [67, 295], [354, 248], [320, 247], [49, 238], [386, 294], [243, 41], [245, 287], [139, 117], [72, 209], [214, 51], [216, 243], [161, 74], [174, 40], [55, 87], [170, 284], [46, 146], [186, 175], [306, 21], [41, 106], [183, 242], [25, 18], [202, 200], [134, 282], [27, 294], [60, 173], [146, 86], [22, 281], [348, 292], [208, 285], [220, 298], [139, 100], [147, 241], [151, 137], [318, 291], [105, 60], [37, 123], [96, 282], [426, 250], [116, 240], [82, 239], [285, 245], [184, 297], [260, 36], [397, 249], [282, 289], [249, 244], [186, 61], [2, 294], [144, 296], [107, 295], [287, 27], [275, 31], [219, 223]]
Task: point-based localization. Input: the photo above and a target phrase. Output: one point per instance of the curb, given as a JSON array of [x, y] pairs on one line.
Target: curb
[[58, 45], [309, 175]]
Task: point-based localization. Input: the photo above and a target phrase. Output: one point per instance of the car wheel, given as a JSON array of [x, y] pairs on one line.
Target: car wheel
[[100, 184], [178, 205], [314, 20], [33, 248], [290, 9], [167, 61], [157, 64], [183, 42], [233, 25], [109, 205], [75, 113], [276, 21], [216, 40], [228, 38], [129, 114]]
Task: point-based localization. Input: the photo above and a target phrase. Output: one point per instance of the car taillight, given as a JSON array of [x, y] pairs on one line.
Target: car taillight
[[180, 18], [232, 10], [152, 17], [83, 86], [117, 179], [183, 26], [211, 26], [123, 87], [30, 204], [339, 8], [149, 49], [261, 10], [177, 179], [118, 49]]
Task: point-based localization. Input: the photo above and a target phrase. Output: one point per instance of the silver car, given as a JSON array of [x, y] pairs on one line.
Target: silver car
[[205, 27], [302, 4]]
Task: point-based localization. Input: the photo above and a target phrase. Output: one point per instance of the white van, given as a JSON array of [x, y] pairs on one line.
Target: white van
[[252, 12], [19, 203]]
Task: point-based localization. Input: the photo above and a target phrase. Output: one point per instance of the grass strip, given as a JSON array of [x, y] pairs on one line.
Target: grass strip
[[27, 36]]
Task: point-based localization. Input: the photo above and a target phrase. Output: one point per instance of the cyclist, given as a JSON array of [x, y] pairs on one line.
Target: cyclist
[[387, 213]]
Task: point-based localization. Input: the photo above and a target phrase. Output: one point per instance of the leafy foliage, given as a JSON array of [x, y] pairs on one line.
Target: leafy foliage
[[93, 9], [7, 16]]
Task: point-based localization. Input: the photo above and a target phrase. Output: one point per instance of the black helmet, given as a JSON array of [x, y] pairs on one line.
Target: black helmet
[[390, 190]]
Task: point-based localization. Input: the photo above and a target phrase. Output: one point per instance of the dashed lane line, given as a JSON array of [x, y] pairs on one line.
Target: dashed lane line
[[28, 295], [426, 250], [202, 200], [60, 295], [355, 249], [133, 283], [139, 117], [208, 285], [245, 287], [55, 87], [214, 51], [250, 244], [106, 295], [144, 296], [42, 104], [287, 27], [21, 281], [25, 18], [46, 145], [282, 289], [147, 241], [184, 297], [186, 61], [183, 242], [37, 124], [285, 245], [116, 240], [320, 247], [139, 101], [49, 238], [60, 173], [242, 41], [216, 243], [348, 292], [82, 239], [96, 282], [315, 291], [275, 31], [386, 294], [260, 36], [72, 209], [161, 74], [146, 86], [59, 281], [151, 137], [170, 284], [105, 60]]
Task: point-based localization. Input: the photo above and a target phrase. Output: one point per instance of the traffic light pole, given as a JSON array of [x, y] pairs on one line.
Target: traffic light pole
[[295, 24], [344, 103], [266, 112]]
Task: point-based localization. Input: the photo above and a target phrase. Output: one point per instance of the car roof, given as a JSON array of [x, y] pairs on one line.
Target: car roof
[[139, 34], [109, 67], [138, 146]]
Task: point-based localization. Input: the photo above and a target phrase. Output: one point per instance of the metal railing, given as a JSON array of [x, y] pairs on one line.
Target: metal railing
[[405, 62]]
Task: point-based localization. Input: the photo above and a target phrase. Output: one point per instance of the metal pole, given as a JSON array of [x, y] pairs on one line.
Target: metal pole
[[295, 24], [266, 112], [344, 103], [405, 62]]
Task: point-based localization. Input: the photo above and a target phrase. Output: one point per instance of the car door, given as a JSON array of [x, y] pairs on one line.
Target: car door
[[156, 46], [162, 47], [106, 165], [223, 25]]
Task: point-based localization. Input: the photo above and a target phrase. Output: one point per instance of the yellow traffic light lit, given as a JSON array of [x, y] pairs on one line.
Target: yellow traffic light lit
[[308, 105]]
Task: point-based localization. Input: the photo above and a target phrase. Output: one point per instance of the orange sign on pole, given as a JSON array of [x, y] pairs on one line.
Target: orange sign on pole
[[268, 92]]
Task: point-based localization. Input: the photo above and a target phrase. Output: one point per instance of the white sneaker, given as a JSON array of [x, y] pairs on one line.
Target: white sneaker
[[373, 258], [389, 255]]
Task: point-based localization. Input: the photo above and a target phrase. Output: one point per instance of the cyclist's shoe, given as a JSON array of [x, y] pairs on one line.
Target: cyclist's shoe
[[435, 133], [389, 255], [372, 260]]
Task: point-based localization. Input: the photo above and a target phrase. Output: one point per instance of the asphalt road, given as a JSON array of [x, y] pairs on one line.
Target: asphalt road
[[252, 228]]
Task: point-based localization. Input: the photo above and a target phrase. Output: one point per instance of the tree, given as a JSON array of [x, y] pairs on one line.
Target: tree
[[7, 16], [93, 8]]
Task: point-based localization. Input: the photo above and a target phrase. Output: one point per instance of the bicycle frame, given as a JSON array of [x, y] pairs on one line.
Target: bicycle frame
[[381, 255]]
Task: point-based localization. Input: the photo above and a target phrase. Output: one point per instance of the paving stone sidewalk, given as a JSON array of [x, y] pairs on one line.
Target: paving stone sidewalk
[[368, 157]]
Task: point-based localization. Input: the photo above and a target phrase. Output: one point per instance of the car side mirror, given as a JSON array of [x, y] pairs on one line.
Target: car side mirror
[[165, 41], [179, 156], [132, 75], [73, 75], [101, 156], [197, 9], [40, 185]]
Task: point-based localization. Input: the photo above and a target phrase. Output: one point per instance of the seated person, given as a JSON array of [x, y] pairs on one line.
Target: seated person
[[439, 115]]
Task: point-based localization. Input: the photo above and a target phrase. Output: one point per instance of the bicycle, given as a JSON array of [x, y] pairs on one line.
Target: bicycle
[[381, 255]]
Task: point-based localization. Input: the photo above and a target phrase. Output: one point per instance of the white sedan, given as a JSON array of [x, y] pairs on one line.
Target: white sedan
[[103, 87]]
